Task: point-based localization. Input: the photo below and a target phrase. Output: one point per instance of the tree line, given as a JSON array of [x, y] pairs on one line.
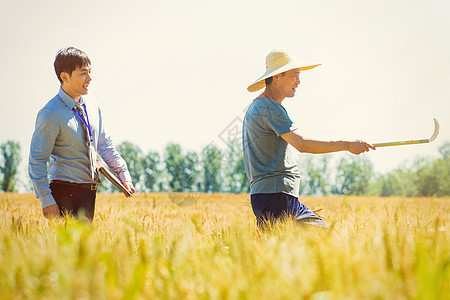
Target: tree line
[[211, 170], [222, 170]]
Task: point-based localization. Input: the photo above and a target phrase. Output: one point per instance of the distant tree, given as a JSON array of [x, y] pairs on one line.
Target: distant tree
[[183, 170], [191, 174], [391, 184], [241, 176], [231, 157], [132, 154], [441, 168], [152, 171], [432, 177], [234, 177], [212, 165], [174, 161], [10, 163], [445, 150], [425, 180], [353, 176], [317, 175], [423, 177]]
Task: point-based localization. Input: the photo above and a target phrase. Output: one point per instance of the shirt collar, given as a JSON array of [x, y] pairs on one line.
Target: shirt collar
[[271, 100], [69, 101]]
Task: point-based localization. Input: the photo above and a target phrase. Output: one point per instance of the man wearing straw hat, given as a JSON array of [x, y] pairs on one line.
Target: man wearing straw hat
[[267, 131]]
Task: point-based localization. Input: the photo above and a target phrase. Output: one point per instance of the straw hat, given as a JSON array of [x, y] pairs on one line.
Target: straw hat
[[278, 61]]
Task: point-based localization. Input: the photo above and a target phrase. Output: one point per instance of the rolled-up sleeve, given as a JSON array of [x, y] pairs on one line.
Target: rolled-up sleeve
[[42, 142]]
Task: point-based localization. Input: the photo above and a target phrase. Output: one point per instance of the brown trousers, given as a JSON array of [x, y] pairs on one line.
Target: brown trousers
[[73, 200]]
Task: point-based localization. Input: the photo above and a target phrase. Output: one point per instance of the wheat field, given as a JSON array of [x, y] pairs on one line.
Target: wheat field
[[161, 246]]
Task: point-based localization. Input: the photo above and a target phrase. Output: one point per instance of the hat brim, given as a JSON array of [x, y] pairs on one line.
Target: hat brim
[[260, 82]]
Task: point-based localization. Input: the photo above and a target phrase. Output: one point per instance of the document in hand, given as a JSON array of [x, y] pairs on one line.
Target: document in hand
[[114, 180]]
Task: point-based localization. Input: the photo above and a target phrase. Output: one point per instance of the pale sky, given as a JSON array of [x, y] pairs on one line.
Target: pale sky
[[177, 71]]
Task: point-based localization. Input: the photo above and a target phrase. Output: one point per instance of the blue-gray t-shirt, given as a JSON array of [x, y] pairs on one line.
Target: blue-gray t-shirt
[[268, 159]]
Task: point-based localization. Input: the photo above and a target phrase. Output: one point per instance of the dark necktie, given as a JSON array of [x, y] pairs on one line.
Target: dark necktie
[[88, 139]]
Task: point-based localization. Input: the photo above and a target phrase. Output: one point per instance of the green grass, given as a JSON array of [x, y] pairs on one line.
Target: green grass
[[148, 248]]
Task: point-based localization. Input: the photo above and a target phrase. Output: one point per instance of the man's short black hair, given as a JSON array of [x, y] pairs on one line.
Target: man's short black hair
[[68, 59], [268, 81]]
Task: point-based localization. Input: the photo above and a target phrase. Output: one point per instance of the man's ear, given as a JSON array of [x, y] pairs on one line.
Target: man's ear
[[276, 77], [64, 76]]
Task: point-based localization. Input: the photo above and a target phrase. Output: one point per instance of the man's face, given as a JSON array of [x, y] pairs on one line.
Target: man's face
[[288, 83], [77, 83]]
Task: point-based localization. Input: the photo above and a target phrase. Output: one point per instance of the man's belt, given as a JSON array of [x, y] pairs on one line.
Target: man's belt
[[90, 186]]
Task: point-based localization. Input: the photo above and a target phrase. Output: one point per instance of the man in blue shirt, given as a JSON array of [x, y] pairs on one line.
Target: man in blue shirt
[[267, 131], [69, 131]]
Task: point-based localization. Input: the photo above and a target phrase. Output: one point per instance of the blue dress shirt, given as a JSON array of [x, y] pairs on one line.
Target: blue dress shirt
[[59, 135]]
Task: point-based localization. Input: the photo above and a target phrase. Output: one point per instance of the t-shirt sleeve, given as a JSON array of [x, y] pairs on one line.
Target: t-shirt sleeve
[[278, 120]]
